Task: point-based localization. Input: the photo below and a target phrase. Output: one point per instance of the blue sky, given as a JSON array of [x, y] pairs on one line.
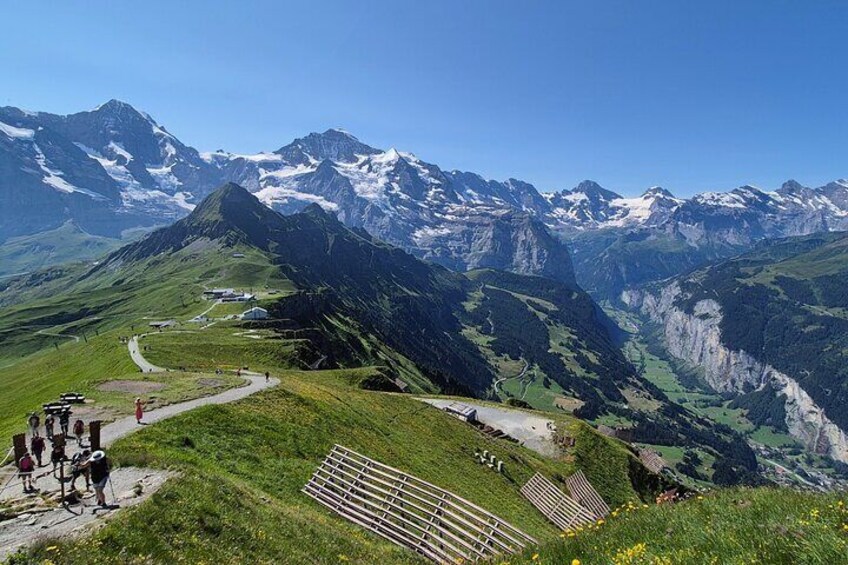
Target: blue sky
[[690, 96]]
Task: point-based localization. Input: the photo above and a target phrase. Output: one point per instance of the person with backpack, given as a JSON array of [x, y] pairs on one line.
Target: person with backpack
[[98, 466], [79, 431], [64, 421], [49, 422], [36, 446], [33, 422], [25, 470], [57, 455], [78, 469]]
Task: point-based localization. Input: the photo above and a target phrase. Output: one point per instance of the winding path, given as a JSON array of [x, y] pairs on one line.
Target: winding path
[[125, 426], [138, 358], [44, 521]]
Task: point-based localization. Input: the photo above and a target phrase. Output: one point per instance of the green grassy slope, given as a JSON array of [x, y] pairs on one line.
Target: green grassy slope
[[83, 367], [62, 245], [734, 526], [242, 467]]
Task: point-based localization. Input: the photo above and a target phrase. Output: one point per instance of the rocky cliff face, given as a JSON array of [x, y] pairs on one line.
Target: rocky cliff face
[[696, 338]]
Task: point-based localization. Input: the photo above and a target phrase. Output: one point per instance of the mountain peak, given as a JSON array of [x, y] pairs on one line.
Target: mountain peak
[[594, 191], [115, 106], [790, 187], [657, 191], [333, 144], [223, 200]]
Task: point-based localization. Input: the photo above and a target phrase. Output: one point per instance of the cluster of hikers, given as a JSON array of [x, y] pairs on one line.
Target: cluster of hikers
[[92, 467]]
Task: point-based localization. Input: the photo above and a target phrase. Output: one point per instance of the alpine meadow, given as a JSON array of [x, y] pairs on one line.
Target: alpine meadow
[[219, 346]]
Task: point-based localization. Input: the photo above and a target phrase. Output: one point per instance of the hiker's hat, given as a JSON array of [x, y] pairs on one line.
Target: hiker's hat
[[97, 455]]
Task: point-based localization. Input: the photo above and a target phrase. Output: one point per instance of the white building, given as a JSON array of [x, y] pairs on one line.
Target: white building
[[462, 411], [255, 313]]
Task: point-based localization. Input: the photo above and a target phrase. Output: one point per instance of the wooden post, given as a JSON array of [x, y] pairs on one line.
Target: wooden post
[[94, 435], [19, 443], [62, 481]]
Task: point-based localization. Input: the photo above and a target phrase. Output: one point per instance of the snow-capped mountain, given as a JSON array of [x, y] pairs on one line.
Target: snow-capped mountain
[[455, 218], [114, 167], [791, 210], [109, 168], [590, 206]]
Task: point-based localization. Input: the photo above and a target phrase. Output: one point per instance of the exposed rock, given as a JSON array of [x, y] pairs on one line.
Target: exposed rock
[[696, 338]]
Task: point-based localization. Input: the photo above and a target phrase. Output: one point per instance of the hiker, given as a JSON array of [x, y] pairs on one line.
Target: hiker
[[78, 469], [33, 421], [267, 376], [79, 431], [25, 470], [98, 466], [57, 456], [36, 446], [238, 372], [49, 422], [139, 411], [64, 422]]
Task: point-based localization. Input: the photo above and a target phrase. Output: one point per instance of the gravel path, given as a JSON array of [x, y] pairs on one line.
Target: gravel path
[[125, 426], [533, 432], [43, 521], [139, 359]]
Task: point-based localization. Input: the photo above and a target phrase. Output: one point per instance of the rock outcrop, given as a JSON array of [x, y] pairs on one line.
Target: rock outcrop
[[696, 338]]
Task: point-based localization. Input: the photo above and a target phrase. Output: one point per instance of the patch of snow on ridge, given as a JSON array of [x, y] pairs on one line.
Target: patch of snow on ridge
[[287, 172], [54, 178], [17, 133], [118, 149], [425, 234], [271, 195], [165, 178], [720, 199]]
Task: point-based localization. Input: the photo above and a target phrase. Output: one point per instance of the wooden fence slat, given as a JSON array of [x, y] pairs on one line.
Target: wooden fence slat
[[562, 510], [409, 511], [582, 490]]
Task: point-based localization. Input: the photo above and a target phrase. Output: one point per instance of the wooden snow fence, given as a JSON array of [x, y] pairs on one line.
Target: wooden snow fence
[[583, 491], [562, 510], [409, 511], [652, 461]]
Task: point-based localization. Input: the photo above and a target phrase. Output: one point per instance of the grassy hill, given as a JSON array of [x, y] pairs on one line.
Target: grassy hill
[[64, 244], [241, 467]]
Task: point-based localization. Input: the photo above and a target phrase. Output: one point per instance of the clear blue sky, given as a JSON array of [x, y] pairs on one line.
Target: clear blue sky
[[690, 96]]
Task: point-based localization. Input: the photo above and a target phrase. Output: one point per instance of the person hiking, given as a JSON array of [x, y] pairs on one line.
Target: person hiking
[[139, 411], [36, 446], [78, 469], [79, 431], [25, 470], [33, 422], [267, 376], [49, 422], [98, 466], [64, 421], [57, 455]]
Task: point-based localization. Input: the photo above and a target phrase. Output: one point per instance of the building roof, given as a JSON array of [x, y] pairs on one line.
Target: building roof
[[256, 309]]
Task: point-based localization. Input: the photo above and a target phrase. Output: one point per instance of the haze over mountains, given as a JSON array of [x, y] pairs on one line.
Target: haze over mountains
[[115, 168]]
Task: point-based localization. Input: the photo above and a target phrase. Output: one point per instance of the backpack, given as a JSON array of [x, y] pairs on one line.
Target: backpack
[[25, 464]]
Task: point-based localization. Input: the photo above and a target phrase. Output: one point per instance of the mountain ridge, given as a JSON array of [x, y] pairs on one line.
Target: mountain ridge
[[115, 167]]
